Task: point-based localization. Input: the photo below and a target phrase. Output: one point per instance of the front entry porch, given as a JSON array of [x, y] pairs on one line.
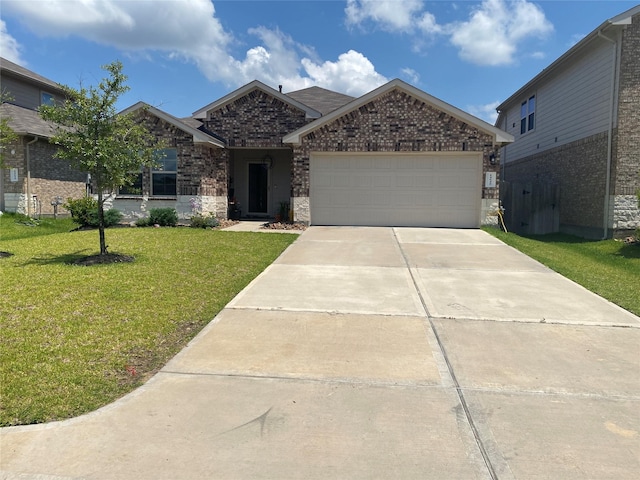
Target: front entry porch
[[259, 181]]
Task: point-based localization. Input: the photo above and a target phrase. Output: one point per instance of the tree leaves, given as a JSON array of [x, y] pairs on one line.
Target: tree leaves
[[94, 138]]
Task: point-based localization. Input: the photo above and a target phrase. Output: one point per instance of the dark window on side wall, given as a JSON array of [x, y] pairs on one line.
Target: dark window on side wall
[[528, 115], [47, 99]]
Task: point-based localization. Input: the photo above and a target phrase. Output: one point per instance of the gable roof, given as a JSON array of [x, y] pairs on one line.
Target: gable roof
[[499, 135], [198, 135], [24, 121], [621, 20], [320, 99], [249, 87], [16, 70]]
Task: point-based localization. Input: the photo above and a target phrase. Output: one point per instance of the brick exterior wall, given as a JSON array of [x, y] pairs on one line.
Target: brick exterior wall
[[579, 168], [255, 120], [626, 180], [393, 122], [202, 172], [50, 178]]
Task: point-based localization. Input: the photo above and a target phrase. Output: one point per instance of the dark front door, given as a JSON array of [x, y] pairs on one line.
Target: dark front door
[[258, 187]]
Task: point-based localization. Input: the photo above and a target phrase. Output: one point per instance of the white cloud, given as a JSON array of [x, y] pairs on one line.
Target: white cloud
[[190, 30], [141, 24], [491, 36], [486, 112], [9, 46], [352, 74], [391, 15], [494, 31], [411, 75]]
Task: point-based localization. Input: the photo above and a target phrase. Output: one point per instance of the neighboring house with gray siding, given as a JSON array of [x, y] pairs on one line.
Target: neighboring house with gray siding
[[577, 135], [33, 178]]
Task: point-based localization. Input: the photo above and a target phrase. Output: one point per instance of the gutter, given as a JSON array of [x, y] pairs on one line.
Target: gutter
[[35, 139], [607, 185]]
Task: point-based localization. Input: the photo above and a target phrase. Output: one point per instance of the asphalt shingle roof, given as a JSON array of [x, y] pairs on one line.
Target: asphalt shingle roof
[[320, 99], [25, 121]]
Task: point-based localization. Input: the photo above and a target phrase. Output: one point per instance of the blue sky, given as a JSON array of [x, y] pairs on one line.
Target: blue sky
[[181, 55]]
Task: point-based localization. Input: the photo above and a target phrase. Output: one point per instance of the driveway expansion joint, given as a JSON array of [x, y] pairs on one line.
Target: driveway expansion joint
[[463, 402]]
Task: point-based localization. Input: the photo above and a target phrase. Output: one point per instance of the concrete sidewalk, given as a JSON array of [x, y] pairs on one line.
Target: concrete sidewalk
[[376, 353]]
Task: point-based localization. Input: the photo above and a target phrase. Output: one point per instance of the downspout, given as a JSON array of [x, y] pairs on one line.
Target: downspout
[[35, 139], [607, 186]]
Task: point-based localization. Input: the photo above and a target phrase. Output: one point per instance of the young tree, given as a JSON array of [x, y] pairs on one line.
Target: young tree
[[94, 139]]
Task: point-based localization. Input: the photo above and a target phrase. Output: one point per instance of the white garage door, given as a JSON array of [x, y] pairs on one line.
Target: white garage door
[[427, 190]]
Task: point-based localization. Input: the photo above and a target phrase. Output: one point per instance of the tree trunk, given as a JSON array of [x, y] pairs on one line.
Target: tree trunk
[[103, 243]]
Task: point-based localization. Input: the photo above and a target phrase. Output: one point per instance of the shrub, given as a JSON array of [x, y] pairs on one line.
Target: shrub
[[81, 209], [84, 212], [204, 221], [165, 217], [142, 222], [111, 217]]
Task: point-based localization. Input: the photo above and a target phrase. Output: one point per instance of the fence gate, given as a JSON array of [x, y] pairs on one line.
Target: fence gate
[[531, 208]]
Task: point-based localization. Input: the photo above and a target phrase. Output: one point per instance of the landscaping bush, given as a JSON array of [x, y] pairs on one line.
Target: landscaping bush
[[165, 217], [84, 212], [204, 221], [81, 209], [142, 222], [111, 217]]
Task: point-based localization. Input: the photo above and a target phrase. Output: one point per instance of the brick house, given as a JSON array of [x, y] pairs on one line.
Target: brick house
[[575, 163], [32, 177], [395, 156]]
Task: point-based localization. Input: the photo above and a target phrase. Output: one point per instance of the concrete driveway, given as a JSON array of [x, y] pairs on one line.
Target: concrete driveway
[[376, 353]]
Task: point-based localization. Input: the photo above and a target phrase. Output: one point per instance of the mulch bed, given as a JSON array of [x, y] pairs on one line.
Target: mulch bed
[[226, 224], [284, 226], [103, 259]]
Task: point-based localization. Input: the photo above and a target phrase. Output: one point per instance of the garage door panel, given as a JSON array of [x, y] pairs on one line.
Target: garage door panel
[[396, 189]]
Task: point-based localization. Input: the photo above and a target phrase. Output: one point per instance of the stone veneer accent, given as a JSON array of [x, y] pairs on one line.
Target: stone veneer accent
[[392, 122], [626, 213], [133, 208], [301, 207]]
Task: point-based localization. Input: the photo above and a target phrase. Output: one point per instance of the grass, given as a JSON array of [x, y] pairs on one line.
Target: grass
[[76, 338], [14, 226], [609, 268]]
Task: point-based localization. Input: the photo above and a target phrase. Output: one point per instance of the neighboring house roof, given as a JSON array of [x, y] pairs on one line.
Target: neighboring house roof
[[198, 135], [249, 87], [624, 18], [17, 71], [499, 135], [323, 100], [24, 121]]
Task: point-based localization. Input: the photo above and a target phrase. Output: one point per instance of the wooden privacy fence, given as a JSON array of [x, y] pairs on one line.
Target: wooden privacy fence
[[531, 208]]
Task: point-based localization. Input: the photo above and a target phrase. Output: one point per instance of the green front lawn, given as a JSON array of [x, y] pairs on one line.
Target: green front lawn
[[609, 268], [75, 338]]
